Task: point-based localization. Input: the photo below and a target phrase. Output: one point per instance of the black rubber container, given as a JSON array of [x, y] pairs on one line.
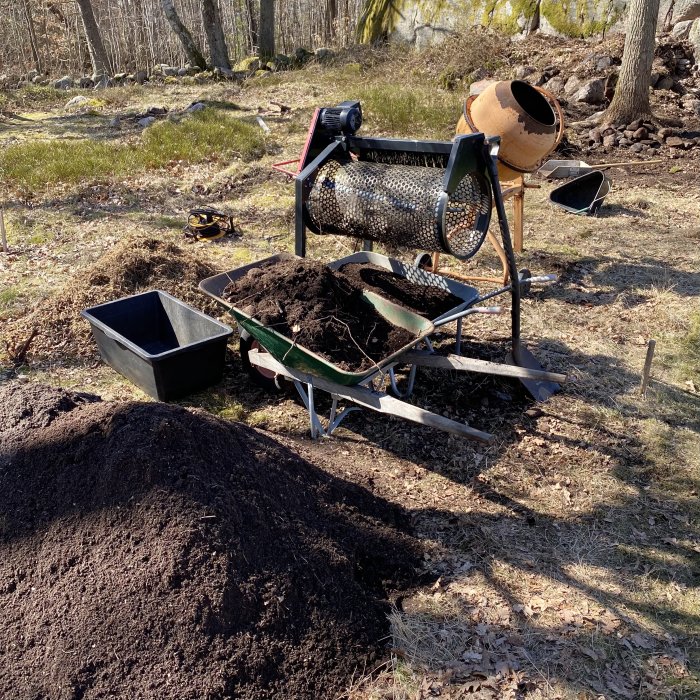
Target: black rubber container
[[582, 195], [165, 347]]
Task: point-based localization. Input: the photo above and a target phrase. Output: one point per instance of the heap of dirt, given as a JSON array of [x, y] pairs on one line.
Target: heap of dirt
[[147, 550], [318, 309], [136, 264], [425, 300]]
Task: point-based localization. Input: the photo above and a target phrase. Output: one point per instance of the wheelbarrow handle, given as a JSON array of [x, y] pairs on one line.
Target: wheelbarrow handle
[[468, 312], [541, 279]]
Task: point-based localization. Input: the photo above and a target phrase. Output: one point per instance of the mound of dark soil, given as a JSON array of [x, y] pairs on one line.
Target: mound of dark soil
[[134, 265], [430, 302], [150, 551], [320, 310]]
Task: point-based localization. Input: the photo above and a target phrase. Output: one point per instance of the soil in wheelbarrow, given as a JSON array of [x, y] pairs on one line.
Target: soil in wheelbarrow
[[320, 310], [151, 551], [425, 300]]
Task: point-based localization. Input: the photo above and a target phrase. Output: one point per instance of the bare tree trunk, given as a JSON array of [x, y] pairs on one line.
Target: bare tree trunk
[[266, 30], [32, 34], [252, 24], [194, 55], [631, 99], [215, 34], [331, 19], [98, 55]]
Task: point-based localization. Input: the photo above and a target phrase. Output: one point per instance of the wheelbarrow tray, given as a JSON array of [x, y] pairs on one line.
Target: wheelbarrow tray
[[416, 275], [298, 357], [582, 195]]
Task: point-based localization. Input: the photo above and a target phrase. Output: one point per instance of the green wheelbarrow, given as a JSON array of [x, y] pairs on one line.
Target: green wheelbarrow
[[269, 356]]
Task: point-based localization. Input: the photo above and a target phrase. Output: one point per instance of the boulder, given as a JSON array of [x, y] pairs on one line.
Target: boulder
[[682, 30], [86, 83], [479, 86], [592, 93], [182, 72], [674, 142], [146, 121], [169, 71], [31, 75], [77, 101], [37, 79], [115, 123], [302, 55], [103, 82], [323, 54], [665, 83], [595, 136], [64, 83], [692, 106], [140, 76], [686, 11], [249, 64], [694, 39], [196, 107], [521, 72], [556, 85], [221, 73], [603, 63]]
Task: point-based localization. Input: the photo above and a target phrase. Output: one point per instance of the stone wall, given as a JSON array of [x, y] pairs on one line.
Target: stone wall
[[421, 22]]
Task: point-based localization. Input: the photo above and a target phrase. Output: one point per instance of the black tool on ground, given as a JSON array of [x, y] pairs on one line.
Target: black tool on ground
[[582, 195], [208, 224]]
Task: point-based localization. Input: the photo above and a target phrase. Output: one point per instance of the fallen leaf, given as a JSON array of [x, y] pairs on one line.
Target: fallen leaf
[[642, 642], [589, 652]]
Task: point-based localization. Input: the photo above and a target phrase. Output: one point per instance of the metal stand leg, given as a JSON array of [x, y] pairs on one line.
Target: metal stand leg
[[315, 425]]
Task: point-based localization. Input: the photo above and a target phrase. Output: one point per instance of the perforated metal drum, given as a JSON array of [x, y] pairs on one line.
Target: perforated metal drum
[[403, 205]]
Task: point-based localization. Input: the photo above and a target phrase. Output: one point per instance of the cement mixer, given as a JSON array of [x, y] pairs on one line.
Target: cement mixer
[[523, 116]]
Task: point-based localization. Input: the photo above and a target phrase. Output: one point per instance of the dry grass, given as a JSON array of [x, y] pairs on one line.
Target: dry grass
[[567, 551]]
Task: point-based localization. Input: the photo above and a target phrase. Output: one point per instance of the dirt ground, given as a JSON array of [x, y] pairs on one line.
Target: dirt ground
[[560, 561]]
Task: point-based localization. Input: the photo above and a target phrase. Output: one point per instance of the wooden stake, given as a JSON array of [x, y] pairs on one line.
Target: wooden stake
[[3, 234], [647, 367]]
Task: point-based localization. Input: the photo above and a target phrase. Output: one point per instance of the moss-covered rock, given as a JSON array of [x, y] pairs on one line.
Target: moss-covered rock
[[424, 21], [249, 64]]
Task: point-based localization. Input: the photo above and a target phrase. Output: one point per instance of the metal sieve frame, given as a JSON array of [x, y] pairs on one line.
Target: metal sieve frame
[[461, 184]]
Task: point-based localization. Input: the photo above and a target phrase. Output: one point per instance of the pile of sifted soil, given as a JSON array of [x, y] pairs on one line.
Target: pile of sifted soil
[[147, 550], [427, 301], [318, 309], [134, 265]]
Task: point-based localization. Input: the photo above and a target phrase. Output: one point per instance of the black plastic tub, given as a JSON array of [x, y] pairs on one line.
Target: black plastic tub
[[165, 347]]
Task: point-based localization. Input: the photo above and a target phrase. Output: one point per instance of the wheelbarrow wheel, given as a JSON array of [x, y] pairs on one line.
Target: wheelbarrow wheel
[[264, 378], [523, 277]]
